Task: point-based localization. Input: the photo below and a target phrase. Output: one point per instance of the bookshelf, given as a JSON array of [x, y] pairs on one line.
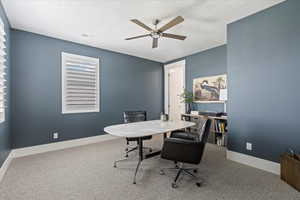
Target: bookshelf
[[219, 131]]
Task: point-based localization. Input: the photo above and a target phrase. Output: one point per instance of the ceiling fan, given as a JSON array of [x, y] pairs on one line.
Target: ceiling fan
[[157, 33]]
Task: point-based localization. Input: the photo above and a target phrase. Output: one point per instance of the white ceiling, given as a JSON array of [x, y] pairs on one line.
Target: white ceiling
[[107, 22]]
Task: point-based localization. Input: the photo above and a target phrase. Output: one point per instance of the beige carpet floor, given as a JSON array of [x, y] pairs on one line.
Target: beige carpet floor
[[86, 173]]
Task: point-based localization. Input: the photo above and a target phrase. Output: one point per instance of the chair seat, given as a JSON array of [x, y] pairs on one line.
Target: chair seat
[[184, 135], [136, 138]]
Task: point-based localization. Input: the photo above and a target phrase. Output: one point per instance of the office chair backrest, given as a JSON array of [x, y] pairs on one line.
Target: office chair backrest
[[134, 116], [204, 131]]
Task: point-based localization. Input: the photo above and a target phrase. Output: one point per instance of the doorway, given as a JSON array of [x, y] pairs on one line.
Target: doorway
[[174, 87]]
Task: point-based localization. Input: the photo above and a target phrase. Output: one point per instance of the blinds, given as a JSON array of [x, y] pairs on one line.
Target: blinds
[[2, 72], [80, 84]]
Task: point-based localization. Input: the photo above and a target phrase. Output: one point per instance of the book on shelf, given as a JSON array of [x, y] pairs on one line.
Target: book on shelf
[[221, 140], [220, 126]]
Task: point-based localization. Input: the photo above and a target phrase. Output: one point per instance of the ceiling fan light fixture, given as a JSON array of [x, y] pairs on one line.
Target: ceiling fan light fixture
[[156, 35]]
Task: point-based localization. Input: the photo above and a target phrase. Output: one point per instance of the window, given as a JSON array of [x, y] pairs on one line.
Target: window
[[2, 72], [80, 84]]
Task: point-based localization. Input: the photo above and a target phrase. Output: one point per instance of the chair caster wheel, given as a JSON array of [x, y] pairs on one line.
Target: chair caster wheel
[[174, 185], [126, 149], [134, 183], [126, 156], [162, 172], [199, 184], [150, 150], [115, 166], [195, 170]]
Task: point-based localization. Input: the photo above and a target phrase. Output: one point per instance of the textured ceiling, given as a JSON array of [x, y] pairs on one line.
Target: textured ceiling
[[107, 22]]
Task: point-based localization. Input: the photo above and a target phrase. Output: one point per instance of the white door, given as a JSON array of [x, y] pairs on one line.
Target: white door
[[174, 87]]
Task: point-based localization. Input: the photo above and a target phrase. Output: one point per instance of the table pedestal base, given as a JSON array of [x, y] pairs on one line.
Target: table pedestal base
[[141, 157]]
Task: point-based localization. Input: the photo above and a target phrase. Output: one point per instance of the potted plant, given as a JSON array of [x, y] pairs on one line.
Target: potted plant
[[187, 98]]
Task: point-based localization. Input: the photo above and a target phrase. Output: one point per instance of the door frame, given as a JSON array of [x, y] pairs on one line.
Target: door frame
[[166, 82]]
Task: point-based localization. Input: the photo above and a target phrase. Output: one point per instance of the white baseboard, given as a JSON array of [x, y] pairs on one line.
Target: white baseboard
[[60, 145], [16, 153], [5, 166], [255, 162]]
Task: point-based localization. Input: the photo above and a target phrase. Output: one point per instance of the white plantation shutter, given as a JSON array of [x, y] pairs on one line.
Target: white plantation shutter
[[80, 84], [2, 72]]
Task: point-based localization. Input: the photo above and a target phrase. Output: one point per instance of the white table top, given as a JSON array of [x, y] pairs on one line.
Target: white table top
[[146, 128]]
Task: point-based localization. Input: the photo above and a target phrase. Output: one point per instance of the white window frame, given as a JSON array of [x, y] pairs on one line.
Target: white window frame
[[64, 57], [2, 73]]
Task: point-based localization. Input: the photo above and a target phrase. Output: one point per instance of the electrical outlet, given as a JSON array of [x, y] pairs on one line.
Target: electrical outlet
[[249, 146], [55, 135]]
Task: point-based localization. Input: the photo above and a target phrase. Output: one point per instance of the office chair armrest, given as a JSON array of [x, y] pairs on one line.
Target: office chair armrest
[[181, 150]]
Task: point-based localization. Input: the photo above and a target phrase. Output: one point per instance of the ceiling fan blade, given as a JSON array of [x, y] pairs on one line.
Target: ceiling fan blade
[[140, 36], [172, 23], [141, 24], [173, 36], [155, 43]]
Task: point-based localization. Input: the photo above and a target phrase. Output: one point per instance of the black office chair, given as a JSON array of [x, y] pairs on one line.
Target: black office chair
[[135, 116], [184, 147]]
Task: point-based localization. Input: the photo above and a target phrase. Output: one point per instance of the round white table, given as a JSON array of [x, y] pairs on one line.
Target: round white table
[[145, 128]]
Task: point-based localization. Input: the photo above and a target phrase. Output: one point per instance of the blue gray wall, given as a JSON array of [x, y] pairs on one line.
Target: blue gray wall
[[262, 59], [127, 83], [5, 134], [263, 70], [206, 63]]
